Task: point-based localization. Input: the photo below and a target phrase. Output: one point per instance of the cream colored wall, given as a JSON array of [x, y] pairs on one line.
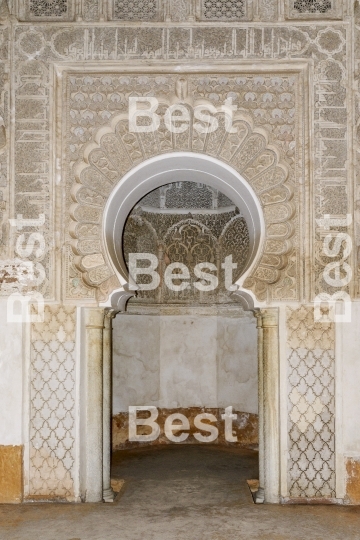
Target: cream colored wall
[[11, 379], [184, 361], [348, 405], [348, 378]]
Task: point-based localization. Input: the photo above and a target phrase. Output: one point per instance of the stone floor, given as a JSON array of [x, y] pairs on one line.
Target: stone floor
[[180, 493]]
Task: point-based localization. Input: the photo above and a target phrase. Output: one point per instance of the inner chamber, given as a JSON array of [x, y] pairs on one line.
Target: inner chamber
[[190, 351]]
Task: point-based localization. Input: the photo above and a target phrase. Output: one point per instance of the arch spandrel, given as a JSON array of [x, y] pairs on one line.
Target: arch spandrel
[[114, 151]]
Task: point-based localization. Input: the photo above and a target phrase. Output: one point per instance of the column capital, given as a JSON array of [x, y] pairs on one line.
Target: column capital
[[270, 317], [94, 317], [258, 317], [110, 314]]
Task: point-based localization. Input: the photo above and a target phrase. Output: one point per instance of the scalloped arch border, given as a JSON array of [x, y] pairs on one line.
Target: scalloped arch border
[[270, 182]]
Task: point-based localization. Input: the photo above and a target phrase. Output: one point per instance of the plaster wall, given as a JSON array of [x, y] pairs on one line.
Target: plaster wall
[[184, 361], [348, 360], [11, 379], [348, 406]]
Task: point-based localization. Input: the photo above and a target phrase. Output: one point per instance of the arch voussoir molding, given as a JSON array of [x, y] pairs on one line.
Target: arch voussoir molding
[[115, 154]]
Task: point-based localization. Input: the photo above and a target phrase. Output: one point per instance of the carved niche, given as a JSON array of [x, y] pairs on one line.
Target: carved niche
[[189, 223], [112, 151]]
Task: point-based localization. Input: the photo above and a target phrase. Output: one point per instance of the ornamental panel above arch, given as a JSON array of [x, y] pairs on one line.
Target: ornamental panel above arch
[[112, 151]]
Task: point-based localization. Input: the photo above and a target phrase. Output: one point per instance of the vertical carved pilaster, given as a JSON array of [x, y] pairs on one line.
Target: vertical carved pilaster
[[260, 495], [92, 419], [108, 494], [270, 330]]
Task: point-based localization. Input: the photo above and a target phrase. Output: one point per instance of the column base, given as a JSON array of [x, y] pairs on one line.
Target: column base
[[108, 495], [259, 496]]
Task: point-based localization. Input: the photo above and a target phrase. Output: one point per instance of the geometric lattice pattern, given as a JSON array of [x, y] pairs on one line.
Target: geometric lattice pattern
[[215, 10], [136, 10], [312, 6], [52, 403], [48, 8], [311, 405]]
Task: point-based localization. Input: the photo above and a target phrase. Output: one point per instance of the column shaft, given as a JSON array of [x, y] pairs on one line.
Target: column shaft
[[271, 405], [260, 337], [93, 404], [108, 494]]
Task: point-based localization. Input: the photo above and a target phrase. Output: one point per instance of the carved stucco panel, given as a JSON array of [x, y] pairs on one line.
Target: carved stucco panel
[[314, 9], [33, 188], [4, 145], [357, 151], [311, 405], [112, 151], [325, 46], [166, 10], [52, 405]]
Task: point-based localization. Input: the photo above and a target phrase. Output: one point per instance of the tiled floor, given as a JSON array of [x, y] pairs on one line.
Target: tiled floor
[[180, 493]]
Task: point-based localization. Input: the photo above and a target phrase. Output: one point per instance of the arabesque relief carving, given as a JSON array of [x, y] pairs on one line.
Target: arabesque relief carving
[[113, 151], [4, 157], [187, 223], [37, 48]]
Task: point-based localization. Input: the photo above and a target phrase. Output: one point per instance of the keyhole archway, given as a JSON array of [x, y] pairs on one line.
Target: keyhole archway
[[130, 189], [170, 168]]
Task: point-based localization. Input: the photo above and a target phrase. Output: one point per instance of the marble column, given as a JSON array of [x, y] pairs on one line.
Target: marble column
[[108, 494], [260, 494], [271, 410], [92, 417]]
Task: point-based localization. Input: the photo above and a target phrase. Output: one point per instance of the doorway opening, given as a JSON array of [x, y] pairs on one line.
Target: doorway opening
[[185, 351]]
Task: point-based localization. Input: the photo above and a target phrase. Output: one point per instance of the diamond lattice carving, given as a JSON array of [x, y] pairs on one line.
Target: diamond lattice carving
[[136, 10], [52, 398], [326, 9], [48, 8], [311, 405], [312, 6], [215, 10]]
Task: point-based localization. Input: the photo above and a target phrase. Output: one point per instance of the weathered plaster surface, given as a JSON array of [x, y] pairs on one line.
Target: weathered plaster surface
[[11, 379], [185, 361], [136, 367], [348, 341], [188, 361], [237, 364]]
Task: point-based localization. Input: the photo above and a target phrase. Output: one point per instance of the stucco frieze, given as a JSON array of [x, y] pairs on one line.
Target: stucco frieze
[[39, 48]]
